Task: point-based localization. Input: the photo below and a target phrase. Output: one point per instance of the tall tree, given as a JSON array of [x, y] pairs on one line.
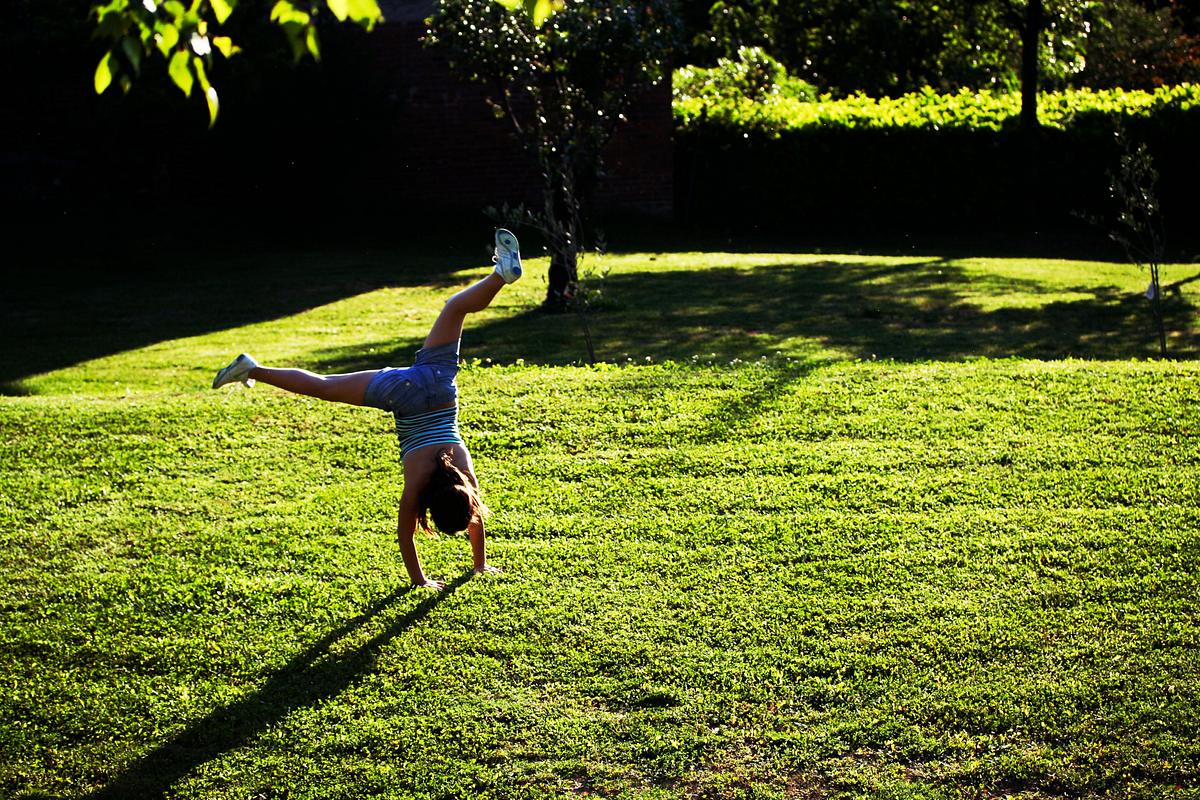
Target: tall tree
[[1054, 36], [1032, 22], [564, 85]]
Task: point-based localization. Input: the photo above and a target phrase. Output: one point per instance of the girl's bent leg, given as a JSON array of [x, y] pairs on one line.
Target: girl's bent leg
[[349, 388], [476, 297]]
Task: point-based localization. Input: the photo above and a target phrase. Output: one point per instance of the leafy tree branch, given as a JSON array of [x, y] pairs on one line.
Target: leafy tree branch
[[187, 38]]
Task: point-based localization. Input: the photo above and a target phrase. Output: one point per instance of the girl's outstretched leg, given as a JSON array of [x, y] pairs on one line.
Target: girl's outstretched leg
[[476, 297], [447, 328], [349, 388]]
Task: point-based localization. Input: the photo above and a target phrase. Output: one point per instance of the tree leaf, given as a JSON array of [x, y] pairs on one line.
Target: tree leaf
[[364, 12], [112, 7], [312, 43], [511, 5], [133, 52], [104, 76], [222, 9], [214, 105], [210, 94], [111, 23], [539, 10], [295, 33], [284, 12], [167, 36], [225, 45], [340, 8], [180, 71]]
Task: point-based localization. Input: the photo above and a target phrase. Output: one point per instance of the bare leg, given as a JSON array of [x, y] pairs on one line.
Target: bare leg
[[352, 387], [348, 388], [476, 297]]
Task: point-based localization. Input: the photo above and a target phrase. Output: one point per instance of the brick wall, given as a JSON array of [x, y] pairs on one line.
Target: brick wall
[[446, 147]]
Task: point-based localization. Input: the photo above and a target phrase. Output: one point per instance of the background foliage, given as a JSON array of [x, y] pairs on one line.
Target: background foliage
[[1141, 46], [889, 47], [920, 163], [701, 101]]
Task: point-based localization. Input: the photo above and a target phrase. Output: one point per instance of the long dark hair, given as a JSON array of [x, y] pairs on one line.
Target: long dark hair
[[450, 498]]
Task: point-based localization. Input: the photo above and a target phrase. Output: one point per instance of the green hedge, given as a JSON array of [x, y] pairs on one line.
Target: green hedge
[[926, 110], [929, 164]]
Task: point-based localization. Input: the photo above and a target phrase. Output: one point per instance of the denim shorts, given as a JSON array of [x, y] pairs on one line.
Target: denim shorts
[[428, 384]]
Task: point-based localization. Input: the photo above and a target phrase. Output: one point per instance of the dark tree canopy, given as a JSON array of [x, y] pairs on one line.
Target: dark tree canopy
[[1141, 46], [888, 47]]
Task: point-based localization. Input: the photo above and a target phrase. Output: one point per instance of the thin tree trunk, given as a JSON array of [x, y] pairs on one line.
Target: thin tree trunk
[[561, 280], [1031, 35], [1156, 305], [587, 334], [563, 212]]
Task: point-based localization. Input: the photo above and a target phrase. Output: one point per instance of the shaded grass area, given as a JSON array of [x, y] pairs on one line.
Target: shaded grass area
[[56, 317], [766, 580], [909, 309], [362, 311]]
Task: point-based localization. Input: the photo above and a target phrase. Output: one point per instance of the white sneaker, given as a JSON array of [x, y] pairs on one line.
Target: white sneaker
[[237, 371], [508, 256]]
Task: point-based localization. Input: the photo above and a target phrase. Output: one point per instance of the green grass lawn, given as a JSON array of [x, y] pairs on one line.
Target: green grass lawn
[[820, 526]]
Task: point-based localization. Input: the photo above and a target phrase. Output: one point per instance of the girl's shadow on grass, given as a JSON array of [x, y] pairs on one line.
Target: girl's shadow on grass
[[312, 676]]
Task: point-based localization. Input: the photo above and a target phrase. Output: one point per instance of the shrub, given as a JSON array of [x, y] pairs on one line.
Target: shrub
[[755, 76], [704, 106], [954, 165]]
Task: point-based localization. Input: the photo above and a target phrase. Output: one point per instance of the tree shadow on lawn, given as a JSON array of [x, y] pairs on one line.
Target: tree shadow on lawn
[[309, 678], [50, 321], [918, 311]]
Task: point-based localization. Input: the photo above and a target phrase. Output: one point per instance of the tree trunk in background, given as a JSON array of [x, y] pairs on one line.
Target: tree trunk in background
[[1031, 35], [573, 188], [563, 217], [561, 280]]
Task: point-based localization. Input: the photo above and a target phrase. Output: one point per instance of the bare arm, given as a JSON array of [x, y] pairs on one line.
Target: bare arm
[[478, 549], [475, 529], [405, 528]]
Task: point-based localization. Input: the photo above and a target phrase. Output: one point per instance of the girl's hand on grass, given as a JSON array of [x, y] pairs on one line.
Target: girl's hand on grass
[[488, 569], [430, 584]]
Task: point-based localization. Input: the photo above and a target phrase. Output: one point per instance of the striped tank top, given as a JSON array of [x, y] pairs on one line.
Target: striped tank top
[[433, 427]]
